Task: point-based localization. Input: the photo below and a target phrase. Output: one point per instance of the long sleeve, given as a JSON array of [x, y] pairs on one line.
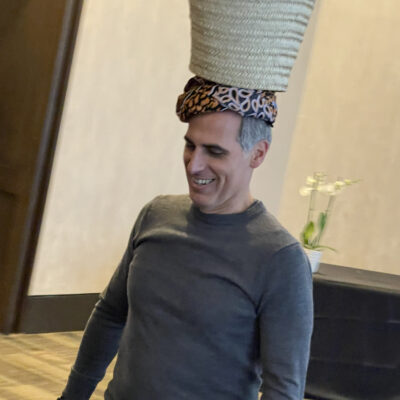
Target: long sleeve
[[103, 331], [98, 347], [285, 321]]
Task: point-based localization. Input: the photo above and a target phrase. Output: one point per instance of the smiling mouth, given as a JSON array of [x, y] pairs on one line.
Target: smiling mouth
[[202, 182]]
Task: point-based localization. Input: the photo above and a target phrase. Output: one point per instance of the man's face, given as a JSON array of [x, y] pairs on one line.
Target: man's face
[[217, 169]]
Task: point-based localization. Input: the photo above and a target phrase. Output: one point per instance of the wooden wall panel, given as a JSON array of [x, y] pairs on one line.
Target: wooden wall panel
[[37, 39], [7, 202]]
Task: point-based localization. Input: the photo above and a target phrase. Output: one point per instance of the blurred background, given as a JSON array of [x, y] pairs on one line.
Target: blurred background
[[88, 135]]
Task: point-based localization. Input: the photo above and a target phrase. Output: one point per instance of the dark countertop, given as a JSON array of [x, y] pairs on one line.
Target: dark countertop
[[369, 280]]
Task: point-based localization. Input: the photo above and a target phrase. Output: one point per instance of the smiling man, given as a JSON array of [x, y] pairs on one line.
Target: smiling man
[[217, 169], [223, 148], [213, 298]]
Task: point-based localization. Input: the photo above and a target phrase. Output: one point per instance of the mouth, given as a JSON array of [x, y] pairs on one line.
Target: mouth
[[202, 181]]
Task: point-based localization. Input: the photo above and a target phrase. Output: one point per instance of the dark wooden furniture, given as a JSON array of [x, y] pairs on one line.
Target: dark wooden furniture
[[355, 351]]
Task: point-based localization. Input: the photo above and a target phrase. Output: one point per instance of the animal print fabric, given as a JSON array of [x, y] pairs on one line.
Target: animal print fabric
[[201, 96]]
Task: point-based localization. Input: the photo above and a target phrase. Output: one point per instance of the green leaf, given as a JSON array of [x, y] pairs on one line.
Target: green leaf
[[307, 233], [322, 221]]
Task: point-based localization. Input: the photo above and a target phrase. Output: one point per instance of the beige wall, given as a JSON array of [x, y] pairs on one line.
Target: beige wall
[[349, 126], [269, 178], [117, 143], [120, 143]]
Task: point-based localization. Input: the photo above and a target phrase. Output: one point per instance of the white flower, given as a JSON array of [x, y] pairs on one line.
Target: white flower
[[320, 177], [310, 238], [329, 189], [310, 181], [340, 184], [305, 190]]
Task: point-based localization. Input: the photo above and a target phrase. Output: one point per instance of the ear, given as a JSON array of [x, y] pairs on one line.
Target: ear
[[258, 153]]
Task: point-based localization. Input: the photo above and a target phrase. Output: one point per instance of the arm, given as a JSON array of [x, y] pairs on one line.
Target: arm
[[286, 320], [103, 331], [97, 349], [101, 337]]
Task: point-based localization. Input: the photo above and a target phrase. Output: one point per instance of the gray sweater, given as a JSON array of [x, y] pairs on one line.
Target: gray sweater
[[201, 307]]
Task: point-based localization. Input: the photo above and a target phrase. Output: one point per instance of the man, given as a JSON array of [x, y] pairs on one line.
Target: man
[[213, 296]]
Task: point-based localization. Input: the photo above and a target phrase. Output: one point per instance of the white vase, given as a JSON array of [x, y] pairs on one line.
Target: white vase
[[314, 256]]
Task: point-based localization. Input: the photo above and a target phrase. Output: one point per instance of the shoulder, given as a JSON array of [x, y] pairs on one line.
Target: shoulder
[[163, 209], [169, 205], [171, 201], [279, 252], [270, 234]]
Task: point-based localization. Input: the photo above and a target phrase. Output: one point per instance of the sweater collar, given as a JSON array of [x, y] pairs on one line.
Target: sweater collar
[[256, 208]]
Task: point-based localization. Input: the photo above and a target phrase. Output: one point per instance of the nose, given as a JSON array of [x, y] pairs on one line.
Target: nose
[[195, 161]]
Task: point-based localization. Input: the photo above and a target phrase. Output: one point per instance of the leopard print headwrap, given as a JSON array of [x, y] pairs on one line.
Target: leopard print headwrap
[[201, 96]]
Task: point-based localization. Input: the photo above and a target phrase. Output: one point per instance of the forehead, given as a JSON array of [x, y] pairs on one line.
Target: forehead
[[220, 128]]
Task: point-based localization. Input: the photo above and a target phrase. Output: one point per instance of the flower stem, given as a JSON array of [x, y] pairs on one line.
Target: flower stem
[[311, 206], [328, 211]]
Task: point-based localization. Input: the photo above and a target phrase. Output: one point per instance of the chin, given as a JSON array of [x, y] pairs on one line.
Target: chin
[[200, 202]]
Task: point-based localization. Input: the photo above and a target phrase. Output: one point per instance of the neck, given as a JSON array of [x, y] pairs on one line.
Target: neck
[[232, 209]]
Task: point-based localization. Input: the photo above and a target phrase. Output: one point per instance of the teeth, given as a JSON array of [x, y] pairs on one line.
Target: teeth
[[202, 181]]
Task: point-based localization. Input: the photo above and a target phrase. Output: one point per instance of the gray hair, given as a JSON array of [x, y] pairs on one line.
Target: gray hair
[[253, 130]]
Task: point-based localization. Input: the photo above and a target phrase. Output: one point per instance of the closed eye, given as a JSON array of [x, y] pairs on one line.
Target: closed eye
[[215, 152], [212, 149], [189, 146]]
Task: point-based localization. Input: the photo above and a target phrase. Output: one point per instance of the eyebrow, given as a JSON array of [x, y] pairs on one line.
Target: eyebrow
[[210, 146]]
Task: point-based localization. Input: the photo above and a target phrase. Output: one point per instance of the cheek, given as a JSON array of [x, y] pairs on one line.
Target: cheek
[[234, 178]]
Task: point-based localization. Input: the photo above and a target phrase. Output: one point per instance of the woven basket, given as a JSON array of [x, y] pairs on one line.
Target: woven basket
[[247, 43]]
